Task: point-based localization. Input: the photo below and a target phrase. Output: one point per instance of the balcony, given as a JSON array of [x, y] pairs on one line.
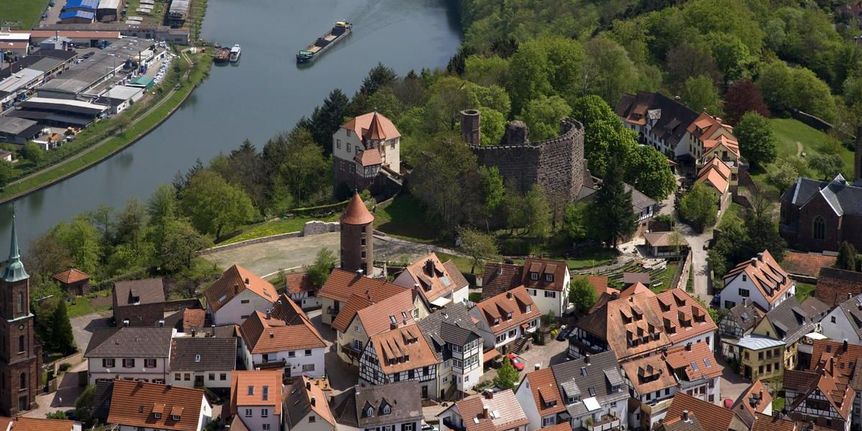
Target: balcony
[[605, 423]]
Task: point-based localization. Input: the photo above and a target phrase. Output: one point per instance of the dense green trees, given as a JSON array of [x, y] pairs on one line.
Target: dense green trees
[[756, 140], [699, 207], [827, 165], [582, 294], [213, 205], [323, 265], [847, 257], [479, 246], [543, 116], [611, 213]]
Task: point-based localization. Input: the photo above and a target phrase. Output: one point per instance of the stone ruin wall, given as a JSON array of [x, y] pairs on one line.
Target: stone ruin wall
[[557, 164]]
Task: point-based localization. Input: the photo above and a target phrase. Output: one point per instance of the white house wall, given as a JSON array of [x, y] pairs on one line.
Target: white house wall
[[235, 311], [841, 329]]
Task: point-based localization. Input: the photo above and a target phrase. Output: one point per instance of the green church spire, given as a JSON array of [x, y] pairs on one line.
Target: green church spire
[[14, 270]]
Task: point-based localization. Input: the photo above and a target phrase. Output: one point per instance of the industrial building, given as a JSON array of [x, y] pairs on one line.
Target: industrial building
[[178, 12], [18, 130], [108, 10]]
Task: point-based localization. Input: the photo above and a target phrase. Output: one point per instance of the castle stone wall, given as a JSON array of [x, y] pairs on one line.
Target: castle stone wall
[[556, 164]]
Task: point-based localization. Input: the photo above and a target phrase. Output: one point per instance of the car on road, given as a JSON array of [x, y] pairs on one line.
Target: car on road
[[564, 332], [427, 427], [517, 361]]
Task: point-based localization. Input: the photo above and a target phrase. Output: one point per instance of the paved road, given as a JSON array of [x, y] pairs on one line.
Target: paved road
[[273, 256], [84, 326], [700, 267]]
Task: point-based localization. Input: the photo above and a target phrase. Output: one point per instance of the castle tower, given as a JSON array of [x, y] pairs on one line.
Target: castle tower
[[357, 240], [374, 135], [470, 132], [19, 353]]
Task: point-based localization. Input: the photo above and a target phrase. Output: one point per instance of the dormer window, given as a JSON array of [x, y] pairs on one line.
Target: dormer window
[[157, 415], [509, 316], [496, 321], [387, 409], [197, 357], [534, 276], [549, 278], [369, 412], [528, 308], [250, 390]]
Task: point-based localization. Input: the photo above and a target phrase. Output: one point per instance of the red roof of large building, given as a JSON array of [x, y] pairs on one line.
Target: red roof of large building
[[765, 273], [509, 309], [235, 280], [71, 276], [362, 124], [155, 406]]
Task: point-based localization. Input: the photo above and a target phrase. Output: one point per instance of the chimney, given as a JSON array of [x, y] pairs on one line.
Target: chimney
[[271, 334], [587, 358], [313, 403], [268, 313], [486, 413], [307, 386], [509, 295], [161, 323], [685, 415], [359, 272], [126, 322], [844, 345], [470, 130], [537, 366], [488, 394], [688, 347], [194, 332], [247, 281], [213, 330]]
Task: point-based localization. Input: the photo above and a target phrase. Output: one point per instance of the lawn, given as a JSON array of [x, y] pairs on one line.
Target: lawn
[[794, 136], [592, 258], [804, 290], [22, 14], [92, 303], [404, 217], [665, 277], [274, 227], [463, 263]]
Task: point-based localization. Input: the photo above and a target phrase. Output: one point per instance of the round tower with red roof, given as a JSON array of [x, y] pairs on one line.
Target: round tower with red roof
[[357, 239]]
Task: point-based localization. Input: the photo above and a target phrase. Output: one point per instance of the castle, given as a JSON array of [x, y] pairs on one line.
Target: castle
[[556, 164]]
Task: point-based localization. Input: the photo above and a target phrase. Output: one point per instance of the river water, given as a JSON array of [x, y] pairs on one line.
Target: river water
[[262, 95]]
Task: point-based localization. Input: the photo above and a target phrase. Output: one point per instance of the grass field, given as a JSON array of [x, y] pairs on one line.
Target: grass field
[[404, 217], [92, 303], [797, 139], [804, 290], [274, 227], [22, 14]]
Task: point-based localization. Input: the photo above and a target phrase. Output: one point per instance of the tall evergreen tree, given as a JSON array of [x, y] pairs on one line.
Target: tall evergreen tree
[[61, 331], [326, 119], [846, 257], [612, 215]]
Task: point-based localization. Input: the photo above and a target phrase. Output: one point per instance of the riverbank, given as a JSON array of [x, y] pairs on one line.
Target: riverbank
[[138, 127]]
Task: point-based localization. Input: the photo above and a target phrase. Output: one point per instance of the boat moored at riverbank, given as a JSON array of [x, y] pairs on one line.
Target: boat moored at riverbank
[[235, 52], [338, 33], [221, 55]]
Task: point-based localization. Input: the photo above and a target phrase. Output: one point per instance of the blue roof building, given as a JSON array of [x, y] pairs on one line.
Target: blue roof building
[[77, 16], [89, 5]]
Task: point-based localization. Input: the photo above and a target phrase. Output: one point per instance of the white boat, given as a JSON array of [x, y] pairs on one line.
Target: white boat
[[235, 53]]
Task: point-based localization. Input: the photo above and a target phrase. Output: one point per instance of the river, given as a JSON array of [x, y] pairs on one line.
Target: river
[[262, 95]]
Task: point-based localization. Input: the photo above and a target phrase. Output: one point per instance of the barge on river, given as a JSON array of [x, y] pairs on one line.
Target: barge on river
[[338, 33], [221, 54]]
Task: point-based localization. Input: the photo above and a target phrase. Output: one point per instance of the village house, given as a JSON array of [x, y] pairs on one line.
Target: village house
[[256, 400], [711, 417], [659, 121], [823, 397], [458, 346], [547, 282], [708, 137], [237, 294], [771, 346], [298, 285], [488, 411], [399, 355], [835, 286], [842, 358], [820, 215], [715, 175], [390, 407], [362, 148], [306, 407], [387, 308], [140, 354], [754, 400], [507, 319], [844, 322], [540, 398], [593, 390], [140, 405], [268, 342], [73, 281], [665, 243], [206, 362], [341, 286], [760, 280], [22, 423], [436, 283], [640, 322], [740, 320], [139, 302], [643, 207], [654, 380]]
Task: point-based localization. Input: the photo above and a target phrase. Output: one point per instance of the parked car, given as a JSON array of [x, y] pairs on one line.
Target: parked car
[[564, 332], [427, 427], [517, 361]]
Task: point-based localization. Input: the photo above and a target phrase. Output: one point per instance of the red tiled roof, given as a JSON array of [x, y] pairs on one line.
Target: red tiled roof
[[133, 403], [696, 361], [505, 413], [193, 318], [402, 349], [516, 301], [233, 281], [543, 269], [39, 424], [500, 277], [297, 282], [361, 124], [263, 335], [764, 422], [546, 395], [754, 399], [713, 417], [434, 278], [356, 213], [765, 273], [71, 276], [247, 389], [808, 264]]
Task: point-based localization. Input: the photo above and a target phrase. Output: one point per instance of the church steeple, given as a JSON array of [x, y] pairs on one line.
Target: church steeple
[[14, 270]]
